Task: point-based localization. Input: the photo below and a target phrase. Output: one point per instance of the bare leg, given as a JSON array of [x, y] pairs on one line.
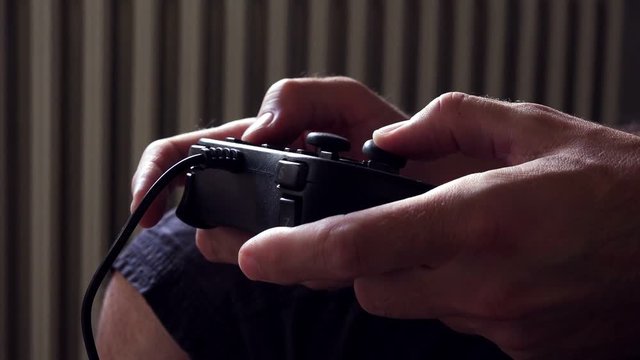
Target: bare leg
[[128, 328]]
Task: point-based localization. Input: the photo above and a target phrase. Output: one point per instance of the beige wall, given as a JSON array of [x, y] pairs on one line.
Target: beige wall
[[86, 84]]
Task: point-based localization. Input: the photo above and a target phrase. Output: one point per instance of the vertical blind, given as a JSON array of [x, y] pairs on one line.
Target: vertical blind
[[85, 85]]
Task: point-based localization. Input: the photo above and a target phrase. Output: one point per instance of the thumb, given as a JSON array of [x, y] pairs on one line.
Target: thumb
[[475, 126]]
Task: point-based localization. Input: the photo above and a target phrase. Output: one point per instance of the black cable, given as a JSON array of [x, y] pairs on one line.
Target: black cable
[[122, 239]]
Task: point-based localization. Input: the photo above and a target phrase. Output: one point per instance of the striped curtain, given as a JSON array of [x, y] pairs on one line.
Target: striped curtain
[[85, 85]]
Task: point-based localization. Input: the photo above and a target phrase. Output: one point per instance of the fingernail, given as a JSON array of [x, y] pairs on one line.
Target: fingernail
[[261, 122], [136, 189], [134, 202], [384, 131]]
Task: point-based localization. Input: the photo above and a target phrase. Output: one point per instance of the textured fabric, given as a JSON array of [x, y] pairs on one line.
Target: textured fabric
[[214, 312]]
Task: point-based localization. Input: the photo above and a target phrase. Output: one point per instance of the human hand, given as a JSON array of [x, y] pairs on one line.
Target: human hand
[[541, 256], [293, 107]]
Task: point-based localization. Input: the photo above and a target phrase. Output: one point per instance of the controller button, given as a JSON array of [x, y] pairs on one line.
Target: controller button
[[291, 175], [381, 159], [235, 140], [273, 147], [305, 152], [289, 212]]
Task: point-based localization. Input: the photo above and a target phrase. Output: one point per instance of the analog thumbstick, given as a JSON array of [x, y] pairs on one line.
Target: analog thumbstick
[[328, 142], [328, 145], [382, 159]]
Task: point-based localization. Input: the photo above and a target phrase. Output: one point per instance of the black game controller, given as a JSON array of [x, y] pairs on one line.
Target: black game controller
[[270, 186], [253, 188]]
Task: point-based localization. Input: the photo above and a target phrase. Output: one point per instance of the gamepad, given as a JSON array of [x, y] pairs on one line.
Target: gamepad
[[269, 186], [233, 183]]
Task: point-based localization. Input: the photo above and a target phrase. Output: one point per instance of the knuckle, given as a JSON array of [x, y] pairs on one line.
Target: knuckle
[[346, 80], [535, 109], [292, 86], [450, 104], [351, 83], [276, 89], [288, 92], [151, 160], [161, 149], [286, 85], [355, 89], [156, 146], [530, 107], [340, 250], [283, 95]]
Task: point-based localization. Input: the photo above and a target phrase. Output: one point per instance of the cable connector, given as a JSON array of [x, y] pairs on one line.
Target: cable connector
[[223, 158]]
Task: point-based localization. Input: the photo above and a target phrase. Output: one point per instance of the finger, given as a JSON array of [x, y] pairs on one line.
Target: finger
[[417, 293], [292, 106], [412, 232], [477, 127], [462, 324], [160, 155], [453, 290], [327, 285], [221, 244]]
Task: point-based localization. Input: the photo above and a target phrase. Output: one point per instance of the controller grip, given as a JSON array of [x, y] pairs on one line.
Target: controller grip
[[188, 209]]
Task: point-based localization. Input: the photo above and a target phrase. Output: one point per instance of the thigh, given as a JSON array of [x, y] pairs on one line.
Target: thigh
[[214, 311], [129, 329]]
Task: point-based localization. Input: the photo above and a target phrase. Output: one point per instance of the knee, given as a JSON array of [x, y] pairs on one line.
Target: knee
[[128, 328]]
